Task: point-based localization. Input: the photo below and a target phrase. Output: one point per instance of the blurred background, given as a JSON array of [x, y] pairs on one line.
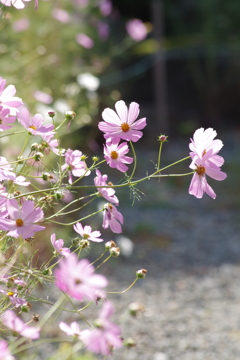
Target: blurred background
[[180, 61]]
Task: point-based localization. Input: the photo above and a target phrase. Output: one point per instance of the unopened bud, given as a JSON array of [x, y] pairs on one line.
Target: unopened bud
[[20, 159], [34, 147], [51, 113], [141, 274], [114, 251], [75, 241], [95, 158], [129, 343], [83, 157], [58, 195], [70, 115], [110, 244], [84, 243], [47, 272], [38, 156], [162, 138]]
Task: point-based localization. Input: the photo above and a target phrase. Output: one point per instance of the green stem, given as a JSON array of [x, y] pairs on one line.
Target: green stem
[[159, 155], [135, 161], [124, 291], [79, 220], [104, 261]]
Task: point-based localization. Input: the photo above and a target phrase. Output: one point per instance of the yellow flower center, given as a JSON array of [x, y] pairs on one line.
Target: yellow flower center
[[125, 127], [0, 121], [114, 155], [10, 293], [200, 170], [19, 223], [32, 127]]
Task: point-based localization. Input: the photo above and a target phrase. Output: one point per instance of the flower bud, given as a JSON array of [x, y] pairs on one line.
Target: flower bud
[[58, 195], [51, 113], [26, 308], [95, 158], [30, 197], [162, 138], [46, 176], [129, 343], [38, 156], [83, 157], [34, 147], [16, 193], [84, 243], [70, 115], [75, 241], [135, 308], [109, 245], [114, 251], [35, 317], [47, 272], [20, 160], [141, 274]]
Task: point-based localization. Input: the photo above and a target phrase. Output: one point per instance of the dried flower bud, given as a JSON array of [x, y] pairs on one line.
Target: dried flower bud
[[35, 317], [46, 176], [38, 156], [162, 138], [95, 158], [129, 343], [70, 115], [16, 193], [135, 308], [114, 251], [20, 160], [26, 308], [34, 147], [84, 243], [109, 245], [141, 274], [29, 240], [30, 197], [51, 113]]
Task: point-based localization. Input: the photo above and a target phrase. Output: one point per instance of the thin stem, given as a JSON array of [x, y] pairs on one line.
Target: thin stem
[[99, 257], [159, 155], [124, 291], [135, 161], [104, 261], [79, 220]]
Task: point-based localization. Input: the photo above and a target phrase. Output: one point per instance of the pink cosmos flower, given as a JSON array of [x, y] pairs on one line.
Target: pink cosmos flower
[[105, 7], [4, 351], [50, 144], [107, 193], [58, 246], [121, 125], [34, 125], [21, 221], [18, 4], [5, 170], [204, 147], [43, 97], [61, 15], [7, 98], [199, 183], [77, 278], [15, 300], [85, 41], [74, 164], [115, 155], [72, 330], [15, 324], [86, 232], [136, 29], [106, 336], [5, 119], [112, 218]]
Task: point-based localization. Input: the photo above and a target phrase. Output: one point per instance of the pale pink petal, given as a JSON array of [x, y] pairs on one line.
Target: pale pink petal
[[122, 111]]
